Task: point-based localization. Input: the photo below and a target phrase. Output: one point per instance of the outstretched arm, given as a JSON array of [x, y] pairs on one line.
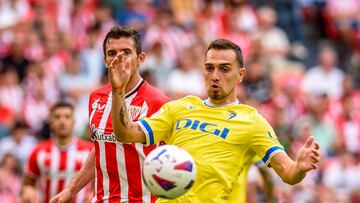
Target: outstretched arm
[[125, 130], [292, 172]]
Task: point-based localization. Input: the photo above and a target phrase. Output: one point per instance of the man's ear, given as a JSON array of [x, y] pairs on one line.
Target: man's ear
[[104, 60], [242, 73], [141, 58]]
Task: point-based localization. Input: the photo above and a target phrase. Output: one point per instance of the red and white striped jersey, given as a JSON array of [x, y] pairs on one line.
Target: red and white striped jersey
[[118, 165], [54, 166]]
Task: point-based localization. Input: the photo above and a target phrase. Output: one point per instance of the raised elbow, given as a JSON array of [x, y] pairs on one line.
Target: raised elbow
[[291, 180]]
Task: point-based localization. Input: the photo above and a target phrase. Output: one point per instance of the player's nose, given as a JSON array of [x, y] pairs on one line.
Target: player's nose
[[215, 75]]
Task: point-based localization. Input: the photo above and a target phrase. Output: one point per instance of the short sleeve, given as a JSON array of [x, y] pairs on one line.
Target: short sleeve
[[31, 167], [264, 141], [158, 127]]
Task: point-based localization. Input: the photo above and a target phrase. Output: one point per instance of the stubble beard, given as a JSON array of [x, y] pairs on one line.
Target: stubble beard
[[218, 95]]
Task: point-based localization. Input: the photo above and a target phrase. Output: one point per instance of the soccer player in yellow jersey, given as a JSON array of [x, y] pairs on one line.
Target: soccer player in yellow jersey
[[220, 133]]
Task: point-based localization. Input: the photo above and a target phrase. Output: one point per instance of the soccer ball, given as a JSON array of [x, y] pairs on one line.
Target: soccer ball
[[169, 171]]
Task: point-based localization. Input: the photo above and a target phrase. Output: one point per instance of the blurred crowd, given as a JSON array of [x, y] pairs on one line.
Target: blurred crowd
[[302, 59]]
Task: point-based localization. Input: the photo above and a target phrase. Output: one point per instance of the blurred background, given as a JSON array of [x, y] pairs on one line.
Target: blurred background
[[302, 59]]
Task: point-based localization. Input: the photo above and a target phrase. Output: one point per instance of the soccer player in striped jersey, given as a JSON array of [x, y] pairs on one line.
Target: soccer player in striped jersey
[[117, 166], [220, 133], [53, 163]]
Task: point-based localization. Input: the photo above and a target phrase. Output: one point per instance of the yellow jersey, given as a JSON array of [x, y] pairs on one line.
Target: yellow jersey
[[221, 140]]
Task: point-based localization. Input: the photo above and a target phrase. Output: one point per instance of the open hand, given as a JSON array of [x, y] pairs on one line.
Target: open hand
[[119, 71], [309, 155]]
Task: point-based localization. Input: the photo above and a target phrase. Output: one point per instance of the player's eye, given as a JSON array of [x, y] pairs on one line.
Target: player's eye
[[127, 52], [111, 53], [224, 69], [209, 68]]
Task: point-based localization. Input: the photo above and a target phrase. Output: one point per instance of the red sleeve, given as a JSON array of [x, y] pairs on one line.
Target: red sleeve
[[32, 167]]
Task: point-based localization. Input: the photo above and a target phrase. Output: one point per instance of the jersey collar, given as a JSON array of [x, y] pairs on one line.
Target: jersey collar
[[65, 147], [135, 89], [207, 103]]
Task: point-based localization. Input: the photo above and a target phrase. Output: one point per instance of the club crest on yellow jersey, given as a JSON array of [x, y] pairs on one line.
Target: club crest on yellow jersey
[[231, 115]]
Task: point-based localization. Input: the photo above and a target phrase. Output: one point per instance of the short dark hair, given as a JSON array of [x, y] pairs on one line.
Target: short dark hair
[[223, 44], [61, 104], [19, 125], [118, 32]]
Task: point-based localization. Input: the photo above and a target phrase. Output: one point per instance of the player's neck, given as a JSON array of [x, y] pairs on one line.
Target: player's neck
[[223, 102], [133, 82], [62, 141]]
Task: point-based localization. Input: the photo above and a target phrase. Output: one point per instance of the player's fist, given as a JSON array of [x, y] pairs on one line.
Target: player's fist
[[65, 196], [119, 71], [308, 156]]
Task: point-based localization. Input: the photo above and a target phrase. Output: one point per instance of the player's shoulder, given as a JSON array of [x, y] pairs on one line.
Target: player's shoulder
[[101, 90], [248, 112], [248, 109], [43, 145], [152, 92], [153, 95], [185, 102], [190, 99], [253, 116]]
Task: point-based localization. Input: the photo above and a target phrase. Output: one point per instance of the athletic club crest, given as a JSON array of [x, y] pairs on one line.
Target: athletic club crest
[[134, 112]]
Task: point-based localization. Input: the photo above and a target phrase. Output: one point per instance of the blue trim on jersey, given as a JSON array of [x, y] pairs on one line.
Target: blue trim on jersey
[[207, 103], [149, 131], [270, 152]]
